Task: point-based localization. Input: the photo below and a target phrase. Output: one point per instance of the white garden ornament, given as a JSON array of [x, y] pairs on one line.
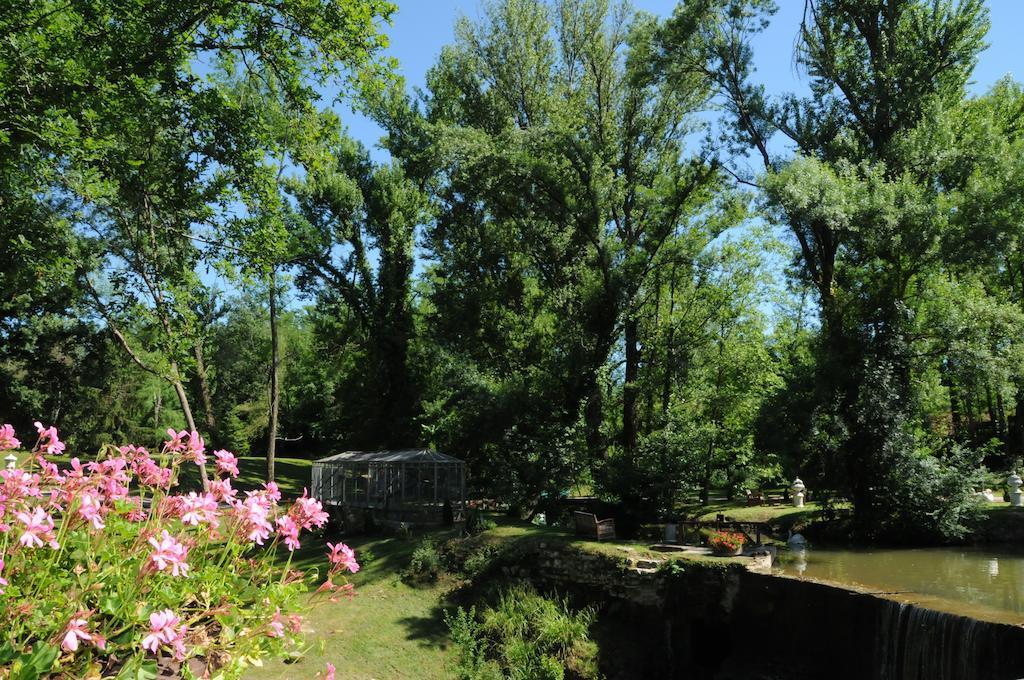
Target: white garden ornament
[[798, 492], [1014, 482]]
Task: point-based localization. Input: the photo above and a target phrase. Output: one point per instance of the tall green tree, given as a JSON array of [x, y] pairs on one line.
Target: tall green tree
[[559, 166], [863, 198], [356, 223]]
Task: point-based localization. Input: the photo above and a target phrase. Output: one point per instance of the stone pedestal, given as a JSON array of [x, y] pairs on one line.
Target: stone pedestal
[[1014, 483], [797, 489], [671, 532]]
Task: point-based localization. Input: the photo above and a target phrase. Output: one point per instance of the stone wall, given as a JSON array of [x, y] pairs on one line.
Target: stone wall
[[719, 621]]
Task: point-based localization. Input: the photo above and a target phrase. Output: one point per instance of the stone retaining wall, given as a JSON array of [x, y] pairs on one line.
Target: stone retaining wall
[[712, 621]]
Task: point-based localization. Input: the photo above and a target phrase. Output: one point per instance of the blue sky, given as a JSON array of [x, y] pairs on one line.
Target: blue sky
[[422, 27]]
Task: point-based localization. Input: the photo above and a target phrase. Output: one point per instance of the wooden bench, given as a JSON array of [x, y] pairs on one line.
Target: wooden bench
[[587, 524], [755, 497]]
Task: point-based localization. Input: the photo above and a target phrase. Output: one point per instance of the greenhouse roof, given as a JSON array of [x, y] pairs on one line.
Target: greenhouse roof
[[391, 456]]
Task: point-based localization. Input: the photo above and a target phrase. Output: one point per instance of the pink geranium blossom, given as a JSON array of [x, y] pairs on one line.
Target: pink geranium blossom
[[330, 672], [7, 438], [3, 581], [38, 529], [252, 515], [150, 473], [195, 448], [276, 625], [308, 512], [17, 485], [199, 508], [164, 629], [176, 443], [221, 490], [168, 554], [342, 556], [91, 509], [289, 531], [77, 630], [226, 462], [48, 439]]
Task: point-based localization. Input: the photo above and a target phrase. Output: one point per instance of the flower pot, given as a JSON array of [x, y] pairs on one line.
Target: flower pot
[[726, 551]]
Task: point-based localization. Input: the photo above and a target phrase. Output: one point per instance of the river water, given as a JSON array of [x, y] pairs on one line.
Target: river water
[[983, 583]]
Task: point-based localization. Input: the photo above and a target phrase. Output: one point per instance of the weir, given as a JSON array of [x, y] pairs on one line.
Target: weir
[[719, 621]]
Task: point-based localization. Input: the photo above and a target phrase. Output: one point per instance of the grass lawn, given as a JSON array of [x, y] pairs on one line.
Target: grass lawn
[[391, 629], [388, 630]]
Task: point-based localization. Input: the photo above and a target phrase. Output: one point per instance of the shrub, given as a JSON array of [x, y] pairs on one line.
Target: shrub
[[477, 523], [105, 572], [525, 635], [425, 563]]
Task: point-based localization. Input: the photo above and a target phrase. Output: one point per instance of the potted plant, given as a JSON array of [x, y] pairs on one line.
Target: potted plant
[[726, 542]]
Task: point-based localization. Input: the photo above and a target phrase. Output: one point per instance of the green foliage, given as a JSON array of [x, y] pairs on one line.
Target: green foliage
[[425, 562], [524, 635], [477, 522]]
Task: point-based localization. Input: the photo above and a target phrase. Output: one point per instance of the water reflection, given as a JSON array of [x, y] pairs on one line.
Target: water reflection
[[983, 583]]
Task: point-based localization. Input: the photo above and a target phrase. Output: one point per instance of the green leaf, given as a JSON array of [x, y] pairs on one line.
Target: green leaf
[[35, 664], [138, 669]]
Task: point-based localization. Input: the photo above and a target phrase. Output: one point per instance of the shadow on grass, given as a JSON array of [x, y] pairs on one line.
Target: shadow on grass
[[429, 630]]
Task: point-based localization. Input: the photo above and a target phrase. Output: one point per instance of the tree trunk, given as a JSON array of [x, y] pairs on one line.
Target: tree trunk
[[204, 390], [629, 390], [179, 389], [274, 384], [157, 403], [705, 491], [670, 346]]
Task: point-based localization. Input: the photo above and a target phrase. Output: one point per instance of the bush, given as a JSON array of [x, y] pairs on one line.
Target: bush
[[105, 572], [425, 563], [525, 635], [477, 523]]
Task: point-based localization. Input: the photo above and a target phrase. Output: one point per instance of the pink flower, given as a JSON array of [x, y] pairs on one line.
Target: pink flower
[[295, 623], [50, 471], [196, 509], [48, 439], [342, 556], [91, 509], [132, 452], [137, 513], [308, 512], [38, 529], [226, 462], [221, 490], [289, 531], [164, 630], [273, 493], [276, 625], [75, 631], [112, 476], [168, 554], [330, 672], [7, 438], [195, 448], [252, 514], [151, 474], [18, 484], [3, 581]]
